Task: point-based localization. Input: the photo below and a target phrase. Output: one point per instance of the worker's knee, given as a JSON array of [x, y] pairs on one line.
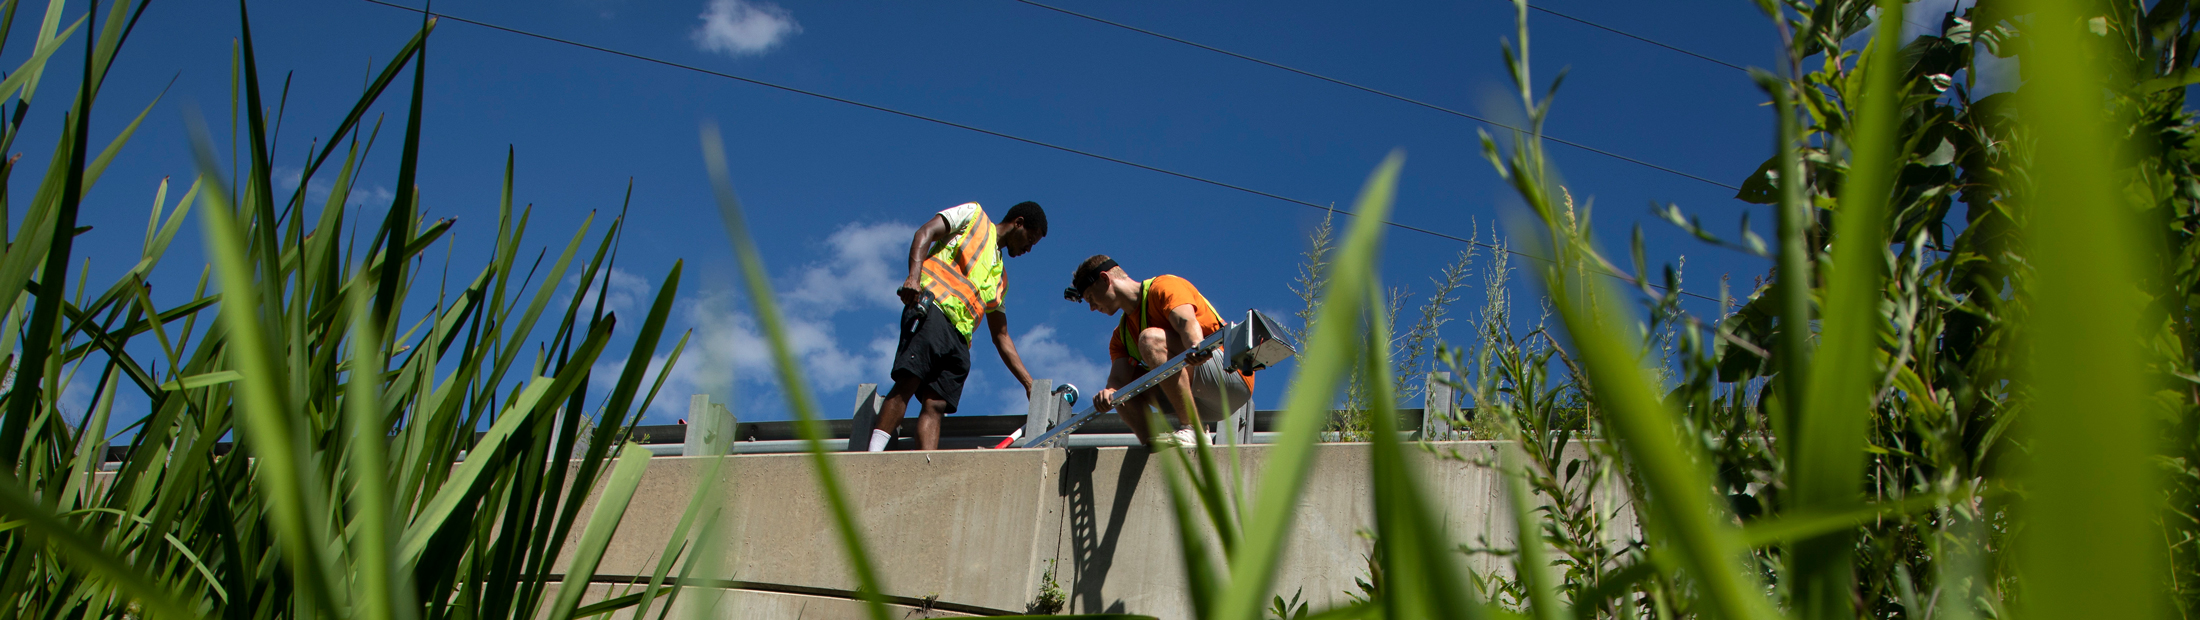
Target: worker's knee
[[902, 390], [1153, 342]]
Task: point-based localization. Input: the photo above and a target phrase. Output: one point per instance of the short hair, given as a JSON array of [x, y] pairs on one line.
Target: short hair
[[1034, 218], [1087, 273]]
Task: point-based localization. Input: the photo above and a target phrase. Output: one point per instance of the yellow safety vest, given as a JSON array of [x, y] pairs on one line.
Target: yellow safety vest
[[946, 275], [1130, 336]]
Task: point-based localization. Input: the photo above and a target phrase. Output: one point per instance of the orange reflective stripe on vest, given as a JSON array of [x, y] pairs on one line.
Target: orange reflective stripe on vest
[[947, 282], [979, 239], [952, 281]]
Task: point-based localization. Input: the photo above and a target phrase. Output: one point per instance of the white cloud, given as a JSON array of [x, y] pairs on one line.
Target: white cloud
[[628, 294], [76, 401], [856, 274], [742, 27], [866, 264], [851, 281], [1045, 357], [317, 191]]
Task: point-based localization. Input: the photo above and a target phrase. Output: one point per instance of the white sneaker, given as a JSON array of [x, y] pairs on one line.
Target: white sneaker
[[1182, 438], [1186, 437], [1162, 442]]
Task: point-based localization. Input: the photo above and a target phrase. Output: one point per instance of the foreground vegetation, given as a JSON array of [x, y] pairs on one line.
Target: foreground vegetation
[[1916, 416], [349, 400]]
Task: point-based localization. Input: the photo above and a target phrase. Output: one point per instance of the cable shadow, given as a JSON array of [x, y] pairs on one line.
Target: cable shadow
[[1092, 551]]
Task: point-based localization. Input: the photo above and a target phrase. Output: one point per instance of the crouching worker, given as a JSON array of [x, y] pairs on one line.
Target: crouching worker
[[1162, 317], [955, 281]]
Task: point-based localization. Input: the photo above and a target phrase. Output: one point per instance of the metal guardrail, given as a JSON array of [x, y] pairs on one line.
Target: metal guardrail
[[957, 432]]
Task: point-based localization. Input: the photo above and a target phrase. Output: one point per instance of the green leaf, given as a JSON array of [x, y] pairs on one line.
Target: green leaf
[[610, 509], [2090, 547], [791, 382], [203, 380], [1826, 464], [1328, 358], [86, 554]]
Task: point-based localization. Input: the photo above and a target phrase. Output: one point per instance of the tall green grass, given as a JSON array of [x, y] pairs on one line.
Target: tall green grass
[[357, 486], [1806, 460], [1906, 422]]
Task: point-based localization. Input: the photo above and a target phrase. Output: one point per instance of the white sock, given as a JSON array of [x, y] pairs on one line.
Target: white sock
[[879, 439]]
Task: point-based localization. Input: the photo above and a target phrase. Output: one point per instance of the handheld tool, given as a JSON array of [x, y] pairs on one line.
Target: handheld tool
[[1068, 393]]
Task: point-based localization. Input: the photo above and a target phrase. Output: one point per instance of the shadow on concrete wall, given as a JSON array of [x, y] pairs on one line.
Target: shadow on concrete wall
[[1093, 551]]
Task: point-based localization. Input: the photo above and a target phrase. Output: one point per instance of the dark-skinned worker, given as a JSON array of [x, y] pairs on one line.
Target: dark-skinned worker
[[956, 280], [1162, 316]]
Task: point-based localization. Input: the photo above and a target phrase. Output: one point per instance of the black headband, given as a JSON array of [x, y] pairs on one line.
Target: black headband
[[1085, 278]]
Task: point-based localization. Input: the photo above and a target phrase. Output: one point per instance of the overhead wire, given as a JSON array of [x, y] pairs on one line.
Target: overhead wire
[[1665, 45], [1383, 93], [997, 134], [1637, 37]]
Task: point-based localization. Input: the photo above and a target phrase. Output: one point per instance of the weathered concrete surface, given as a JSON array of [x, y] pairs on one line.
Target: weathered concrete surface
[[962, 524], [746, 604], [978, 528]]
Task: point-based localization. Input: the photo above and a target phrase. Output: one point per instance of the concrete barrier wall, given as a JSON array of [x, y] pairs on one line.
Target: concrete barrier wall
[[976, 530]]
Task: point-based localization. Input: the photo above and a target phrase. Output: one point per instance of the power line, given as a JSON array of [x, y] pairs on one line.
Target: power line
[[1379, 92], [989, 132], [1637, 37]]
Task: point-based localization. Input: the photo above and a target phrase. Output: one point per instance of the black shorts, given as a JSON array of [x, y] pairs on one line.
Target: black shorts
[[932, 353]]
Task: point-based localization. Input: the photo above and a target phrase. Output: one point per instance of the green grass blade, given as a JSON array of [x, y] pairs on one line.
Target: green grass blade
[[266, 413], [372, 569], [431, 517], [2089, 547], [98, 165], [86, 554], [708, 498], [1328, 359], [1827, 446], [610, 509], [1421, 576], [26, 75], [22, 404], [1534, 565], [1679, 510], [758, 282], [1202, 579]]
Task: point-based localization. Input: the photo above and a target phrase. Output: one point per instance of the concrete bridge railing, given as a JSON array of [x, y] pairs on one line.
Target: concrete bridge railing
[[975, 532]]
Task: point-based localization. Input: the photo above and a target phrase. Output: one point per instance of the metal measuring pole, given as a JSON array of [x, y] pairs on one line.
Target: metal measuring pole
[[1252, 345]]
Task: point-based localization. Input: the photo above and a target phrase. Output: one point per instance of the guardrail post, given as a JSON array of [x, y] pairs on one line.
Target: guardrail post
[[1438, 409], [710, 428], [1044, 410], [1240, 423], [859, 427]]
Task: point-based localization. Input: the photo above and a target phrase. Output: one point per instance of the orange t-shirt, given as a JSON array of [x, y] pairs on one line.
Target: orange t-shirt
[[1165, 293]]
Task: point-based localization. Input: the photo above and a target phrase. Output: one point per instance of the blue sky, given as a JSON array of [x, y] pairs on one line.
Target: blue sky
[[833, 190]]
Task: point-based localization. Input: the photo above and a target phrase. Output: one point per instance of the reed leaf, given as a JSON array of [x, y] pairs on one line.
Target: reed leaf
[[1328, 359], [1835, 407], [2086, 550], [757, 282]]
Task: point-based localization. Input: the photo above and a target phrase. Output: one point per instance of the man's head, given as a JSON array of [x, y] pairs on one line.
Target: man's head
[[1101, 284], [1022, 227]]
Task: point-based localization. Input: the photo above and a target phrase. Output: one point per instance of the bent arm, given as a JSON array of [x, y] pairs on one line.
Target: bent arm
[[1184, 333], [1121, 372], [1184, 330], [997, 325], [930, 233]]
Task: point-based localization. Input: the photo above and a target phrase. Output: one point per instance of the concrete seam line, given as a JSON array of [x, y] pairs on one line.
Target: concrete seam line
[[781, 588]]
